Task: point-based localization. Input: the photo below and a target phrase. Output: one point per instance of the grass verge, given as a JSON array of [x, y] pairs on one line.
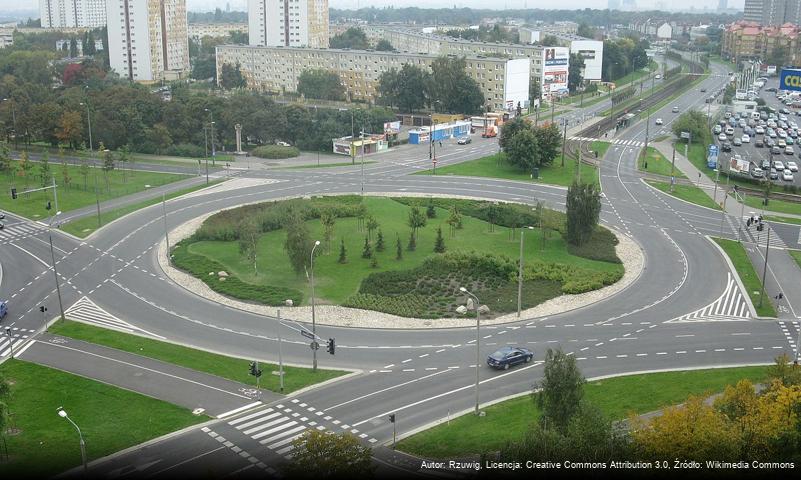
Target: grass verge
[[235, 369], [658, 164], [796, 254], [110, 418], [775, 205], [80, 191], [83, 227], [616, 397], [776, 218], [748, 275], [494, 166], [689, 193]]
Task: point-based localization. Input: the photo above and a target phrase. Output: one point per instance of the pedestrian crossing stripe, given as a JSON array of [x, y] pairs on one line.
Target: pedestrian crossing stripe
[[19, 231], [761, 238], [730, 306], [15, 342], [617, 141], [87, 311]]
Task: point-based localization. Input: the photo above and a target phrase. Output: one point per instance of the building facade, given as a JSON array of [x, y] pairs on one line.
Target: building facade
[[200, 30], [745, 40], [148, 39], [288, 23], [772, 12], [504, 82], [72, 13]]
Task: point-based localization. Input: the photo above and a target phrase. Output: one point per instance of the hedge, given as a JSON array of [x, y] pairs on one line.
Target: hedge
[[275, 152]]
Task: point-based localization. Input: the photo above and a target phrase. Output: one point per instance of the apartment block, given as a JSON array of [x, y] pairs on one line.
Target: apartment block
[[277, 69], [72, 13], [772, 12], [200, 30], [745, 40], [148, 39], [288, 23]]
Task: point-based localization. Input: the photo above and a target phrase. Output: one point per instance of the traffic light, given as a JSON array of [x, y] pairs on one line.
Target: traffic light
[[391, 418], [42, 308], [331, 346], [254, 369], [13, 193]]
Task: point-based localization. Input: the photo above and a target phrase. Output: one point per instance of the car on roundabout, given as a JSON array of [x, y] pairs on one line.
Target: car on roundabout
[[659, 121], [506, 357]]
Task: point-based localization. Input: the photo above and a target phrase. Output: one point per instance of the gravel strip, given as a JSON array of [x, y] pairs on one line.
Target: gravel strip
[[627, 250]]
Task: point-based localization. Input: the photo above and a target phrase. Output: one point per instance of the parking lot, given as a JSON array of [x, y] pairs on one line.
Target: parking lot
[[778, 131]]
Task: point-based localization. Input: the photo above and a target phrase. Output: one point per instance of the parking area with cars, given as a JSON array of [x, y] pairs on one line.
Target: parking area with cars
[[765, 139]]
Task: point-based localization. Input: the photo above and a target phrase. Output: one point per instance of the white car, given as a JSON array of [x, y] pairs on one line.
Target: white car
[[788, 150], [658, 76], [778, 165], [722, 137], [792, 166], [759, 130], [787, 176], [746, 138], [659, 121], [283, 144], [729, 131]]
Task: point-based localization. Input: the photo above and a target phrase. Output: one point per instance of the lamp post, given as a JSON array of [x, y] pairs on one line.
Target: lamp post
[[89, 121], [63, 414], [10, 341], [314, 320], [520, 273], [361, 135], [206, 151], [648, 120], [211, 122], [478, 338], [765, 268], [53, 258], [166, 231], [13, 118]]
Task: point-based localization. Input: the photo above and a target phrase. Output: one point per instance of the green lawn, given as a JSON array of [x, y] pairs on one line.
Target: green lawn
[[796, 254], [83, 227], [235, 369], [336, 282], [78, 194], [491, 167], [749, 277], [658, 164], [110, 418], [689, 193], [616, 397], [778, 206], [776, 218]]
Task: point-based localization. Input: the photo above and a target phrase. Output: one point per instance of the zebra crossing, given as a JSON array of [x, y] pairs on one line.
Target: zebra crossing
[[18, 231], [731, 306], [791, 333], [277, 426], [761, 238], [616, 141], [15, 342], [87, 311]]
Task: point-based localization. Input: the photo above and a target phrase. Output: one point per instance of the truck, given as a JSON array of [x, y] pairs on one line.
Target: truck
[[490, 132]]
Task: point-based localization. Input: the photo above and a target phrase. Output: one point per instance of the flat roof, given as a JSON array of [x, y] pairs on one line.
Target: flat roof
[[369, 52]]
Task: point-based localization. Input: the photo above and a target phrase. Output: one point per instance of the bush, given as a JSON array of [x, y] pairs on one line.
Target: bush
[[186, 150], [200, 266], [600, 246], [275, 152]]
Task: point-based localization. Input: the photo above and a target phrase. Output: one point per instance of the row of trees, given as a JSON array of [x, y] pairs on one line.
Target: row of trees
[[623, 56], [447, 88], [354, 38], [526, 146]]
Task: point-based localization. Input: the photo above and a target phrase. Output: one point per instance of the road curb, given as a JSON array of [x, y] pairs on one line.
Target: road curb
[[736, 275]]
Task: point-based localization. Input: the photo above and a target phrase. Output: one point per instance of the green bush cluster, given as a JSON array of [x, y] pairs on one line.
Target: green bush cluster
[[405, 305], [572, 279], [275, 152], [601, 247], [200, 266], [510, 215]]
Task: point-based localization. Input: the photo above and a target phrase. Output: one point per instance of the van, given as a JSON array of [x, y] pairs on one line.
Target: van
[[755, 115]]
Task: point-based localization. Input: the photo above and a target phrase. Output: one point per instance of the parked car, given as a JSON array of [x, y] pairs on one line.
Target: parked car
[[746, 138], [722, 137], [759, 130], [775, 150], [774, 174], [789, 140], [703, 90], [283, 144], [769, 142], [757, 172], [792, 166], [787, 176], [726, 147], [716, 130], [765, 164], [659, 121], [758, 143], [658, 76], [778, 165], [729, 131], [737, 142], [788, 150], [509, 356], [464, 141]]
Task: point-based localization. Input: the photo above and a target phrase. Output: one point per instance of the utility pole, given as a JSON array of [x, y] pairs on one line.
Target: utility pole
[[765, 269], [673, 169], [166, 231], [564, 140]]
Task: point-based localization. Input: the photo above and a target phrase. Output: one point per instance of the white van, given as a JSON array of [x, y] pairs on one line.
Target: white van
[[754, 115]]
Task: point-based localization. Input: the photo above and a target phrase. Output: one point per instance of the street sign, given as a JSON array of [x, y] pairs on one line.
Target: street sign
[[314, 346], [306, 334], [685, 135]]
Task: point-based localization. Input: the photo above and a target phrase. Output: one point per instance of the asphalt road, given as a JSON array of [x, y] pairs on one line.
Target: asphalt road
[[684, 311]]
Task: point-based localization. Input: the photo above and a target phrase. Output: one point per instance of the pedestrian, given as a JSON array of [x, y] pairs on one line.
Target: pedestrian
[[440, 143]]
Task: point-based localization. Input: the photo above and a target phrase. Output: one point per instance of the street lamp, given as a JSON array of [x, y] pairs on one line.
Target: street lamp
[[53, 258], [211, 121], [10, 341], [478, 338], [520, 273], [89, 121], [63, 414], [13, 119], [765, 268], [314, 321]]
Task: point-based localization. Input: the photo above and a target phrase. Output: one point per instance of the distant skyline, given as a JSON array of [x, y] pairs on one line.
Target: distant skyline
[[240, 5]]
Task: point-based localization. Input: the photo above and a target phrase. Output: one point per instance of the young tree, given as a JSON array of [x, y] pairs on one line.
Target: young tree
[[398, 248], [83, 169], [249, 241], [367, 251], [454, 220], [124, 156], [431, 212], [374, 261], [298, 244], [108, 165], [44, 169], [562, 389], [5, 399], [416, 220], [322, 455], [371, 225], [412, 246], [343, 253], [492, 213], [65, 174], [328, 220], [25, 166], [5, 159], [583, 210], [379, 244], [439, 244]]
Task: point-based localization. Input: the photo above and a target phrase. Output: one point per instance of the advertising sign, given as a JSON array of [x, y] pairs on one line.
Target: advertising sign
[[738, 165], [392, 127], [555, 61], [790, 79], [712, 156]]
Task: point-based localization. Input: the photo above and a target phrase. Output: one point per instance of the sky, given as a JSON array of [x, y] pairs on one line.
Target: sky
[[204, 5]]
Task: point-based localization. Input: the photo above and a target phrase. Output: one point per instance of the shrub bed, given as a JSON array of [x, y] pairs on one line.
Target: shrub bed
[[275, 152], [200, 267], [601, 246]]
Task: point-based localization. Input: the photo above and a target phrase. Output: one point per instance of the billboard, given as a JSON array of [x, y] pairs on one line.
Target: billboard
[[392, 127], [592, 52], [555, 61], [790, 79], [516, 83], [712, 156]]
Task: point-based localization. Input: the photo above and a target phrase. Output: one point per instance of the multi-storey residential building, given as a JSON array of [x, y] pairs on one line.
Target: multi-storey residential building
[[200, 30], [72, 13], [772, 12], [745, 40], [289, 23], [148, 39], [503, 81], [6, 37]]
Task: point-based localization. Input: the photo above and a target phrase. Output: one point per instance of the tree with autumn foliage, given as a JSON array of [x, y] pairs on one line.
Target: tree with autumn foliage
[[70, 128], [321, 455]]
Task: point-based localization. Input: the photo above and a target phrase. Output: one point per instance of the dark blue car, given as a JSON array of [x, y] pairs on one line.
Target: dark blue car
[[509, 356]]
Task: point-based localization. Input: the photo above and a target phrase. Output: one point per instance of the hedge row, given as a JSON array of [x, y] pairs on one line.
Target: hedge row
[[275, 152], [200, 266]]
